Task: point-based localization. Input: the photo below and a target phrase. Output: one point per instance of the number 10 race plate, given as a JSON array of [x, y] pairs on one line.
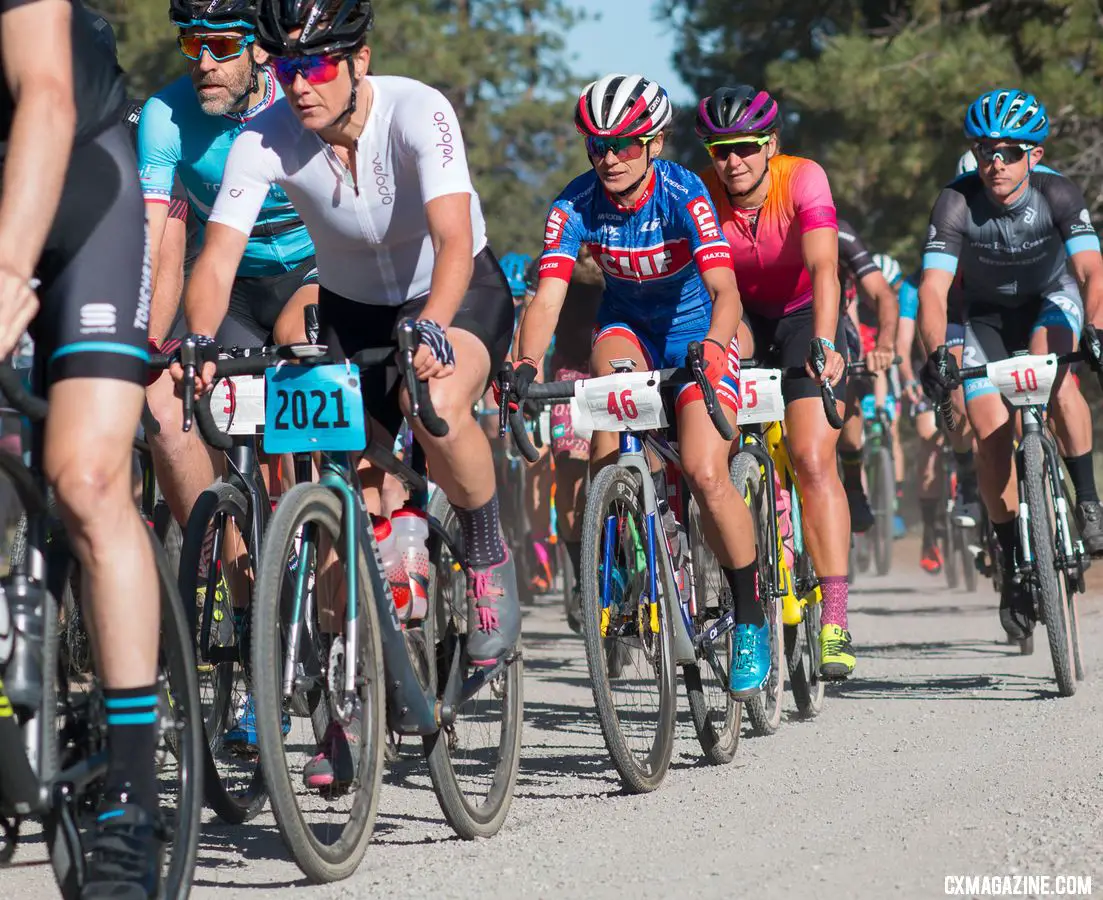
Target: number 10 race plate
[[313, 408]]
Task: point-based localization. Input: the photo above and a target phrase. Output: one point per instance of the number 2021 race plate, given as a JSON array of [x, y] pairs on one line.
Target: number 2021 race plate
[[313, 408]]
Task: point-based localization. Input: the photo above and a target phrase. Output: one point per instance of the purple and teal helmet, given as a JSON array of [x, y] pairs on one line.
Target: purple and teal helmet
[[1006, 114], [732, 111]]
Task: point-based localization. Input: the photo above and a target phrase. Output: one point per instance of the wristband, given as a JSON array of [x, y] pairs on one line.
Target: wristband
[[827, 342]]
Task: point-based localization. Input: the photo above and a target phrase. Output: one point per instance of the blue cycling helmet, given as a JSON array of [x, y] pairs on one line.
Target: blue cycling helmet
[[1008, 114], [515, 265]]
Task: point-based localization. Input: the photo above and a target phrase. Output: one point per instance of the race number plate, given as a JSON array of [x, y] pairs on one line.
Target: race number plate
[[1024, 380], [760, 397], [237, 404], [626, 401], [313, 408]]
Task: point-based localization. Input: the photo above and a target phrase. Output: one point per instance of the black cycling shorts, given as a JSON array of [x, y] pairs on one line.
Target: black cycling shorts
[[94, 316], [783, 343], [348, 327], [255, 305]]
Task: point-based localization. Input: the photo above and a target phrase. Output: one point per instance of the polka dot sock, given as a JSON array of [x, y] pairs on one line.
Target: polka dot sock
[[481, 535]]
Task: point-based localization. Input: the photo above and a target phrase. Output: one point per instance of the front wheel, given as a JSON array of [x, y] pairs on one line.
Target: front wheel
[[629, 644], [883, 478], [1049, 593]]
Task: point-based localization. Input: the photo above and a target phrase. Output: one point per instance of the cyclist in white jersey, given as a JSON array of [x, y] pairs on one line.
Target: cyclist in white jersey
[[376, 168]]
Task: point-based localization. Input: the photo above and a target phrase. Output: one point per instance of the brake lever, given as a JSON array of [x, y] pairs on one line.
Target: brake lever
[[188, 350]]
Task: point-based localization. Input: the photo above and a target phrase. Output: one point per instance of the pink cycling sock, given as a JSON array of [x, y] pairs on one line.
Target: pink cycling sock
[[835, 595]]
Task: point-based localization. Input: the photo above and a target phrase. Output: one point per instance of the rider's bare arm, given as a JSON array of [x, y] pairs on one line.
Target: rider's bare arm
[[934, 290], [874, 286], [541, 316], [37, 60], [820, 249], [1087, 266], [727, 308], [449, 221], [208, 295], [168, 283]]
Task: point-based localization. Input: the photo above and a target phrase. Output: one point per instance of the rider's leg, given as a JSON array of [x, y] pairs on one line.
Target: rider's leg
[[930, 473], [850, 455], [87, 458]]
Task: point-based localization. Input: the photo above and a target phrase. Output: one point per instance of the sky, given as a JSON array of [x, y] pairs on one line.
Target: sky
[[626, 38]]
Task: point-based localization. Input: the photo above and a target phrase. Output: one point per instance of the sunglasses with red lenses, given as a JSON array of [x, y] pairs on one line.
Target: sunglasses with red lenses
[[221, 47], [319, 69], [624, 148]]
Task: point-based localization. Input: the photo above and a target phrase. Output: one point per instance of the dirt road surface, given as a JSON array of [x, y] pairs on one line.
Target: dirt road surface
[[947, 754]]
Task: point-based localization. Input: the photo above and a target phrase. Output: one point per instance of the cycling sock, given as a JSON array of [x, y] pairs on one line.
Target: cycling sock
[[899, 495], [836, 593], [852, 469], [131, 742], [481, 537], [1082, 477], [744, 587], [928, 509], [574, 553], [1007, 534]]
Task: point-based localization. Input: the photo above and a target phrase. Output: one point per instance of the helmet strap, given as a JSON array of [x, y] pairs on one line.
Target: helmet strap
[[351, 107], [628, 191], [754, 187]]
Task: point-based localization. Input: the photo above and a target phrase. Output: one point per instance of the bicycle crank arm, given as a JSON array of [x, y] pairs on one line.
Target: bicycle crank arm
[[715, 631]]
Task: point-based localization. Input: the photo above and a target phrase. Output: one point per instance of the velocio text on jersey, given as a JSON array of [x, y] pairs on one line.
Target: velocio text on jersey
[[445, 142], [386, 197]]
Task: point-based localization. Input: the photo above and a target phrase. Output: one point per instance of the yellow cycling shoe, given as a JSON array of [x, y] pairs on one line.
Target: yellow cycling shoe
[[836, 660]]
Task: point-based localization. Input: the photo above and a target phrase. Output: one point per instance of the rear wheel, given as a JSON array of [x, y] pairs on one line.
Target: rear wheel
[[802, 642], [764, 709], [474, 761], [716, 715]]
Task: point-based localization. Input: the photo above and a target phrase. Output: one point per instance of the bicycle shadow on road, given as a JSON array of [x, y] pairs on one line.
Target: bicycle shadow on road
[[999, 687], [926, 610], [963, 649], [224, 848]]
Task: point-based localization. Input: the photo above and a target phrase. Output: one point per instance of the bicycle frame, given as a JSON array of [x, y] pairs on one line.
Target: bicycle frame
[[412, 708]]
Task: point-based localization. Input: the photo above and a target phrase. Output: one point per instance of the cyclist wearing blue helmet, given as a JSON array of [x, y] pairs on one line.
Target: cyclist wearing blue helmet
[[516, 265], [1017, 239]]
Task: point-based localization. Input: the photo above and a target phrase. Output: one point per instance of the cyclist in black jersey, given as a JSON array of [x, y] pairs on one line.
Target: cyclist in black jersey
[[858, 268], [73, 269], [1018, 240]]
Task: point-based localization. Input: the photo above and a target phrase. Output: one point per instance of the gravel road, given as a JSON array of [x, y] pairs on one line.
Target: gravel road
[[947, 754]]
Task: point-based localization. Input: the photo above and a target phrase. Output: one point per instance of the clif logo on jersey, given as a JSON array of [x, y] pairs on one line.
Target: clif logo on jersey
[[704, 218], [660, 261], [553, 229]]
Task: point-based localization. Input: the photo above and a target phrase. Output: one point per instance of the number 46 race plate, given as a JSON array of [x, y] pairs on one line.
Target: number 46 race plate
[[313, 408], [627, 401]]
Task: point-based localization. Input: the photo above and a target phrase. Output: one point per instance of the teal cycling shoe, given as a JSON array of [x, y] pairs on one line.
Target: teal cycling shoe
[[750, 660]]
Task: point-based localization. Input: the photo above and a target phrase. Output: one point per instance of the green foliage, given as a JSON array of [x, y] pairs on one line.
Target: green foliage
[[876, 91], [500, 62]]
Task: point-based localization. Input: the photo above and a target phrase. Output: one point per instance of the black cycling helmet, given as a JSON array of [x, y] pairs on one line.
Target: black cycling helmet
[[214, 13], [325, 26]]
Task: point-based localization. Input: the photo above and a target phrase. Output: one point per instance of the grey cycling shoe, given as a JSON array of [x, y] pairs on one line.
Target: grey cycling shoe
[[494, 612]]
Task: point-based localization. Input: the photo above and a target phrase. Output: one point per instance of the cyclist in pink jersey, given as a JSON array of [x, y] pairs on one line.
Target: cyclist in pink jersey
[[779, 218]]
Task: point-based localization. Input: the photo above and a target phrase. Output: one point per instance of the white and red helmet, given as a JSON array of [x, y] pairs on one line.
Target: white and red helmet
[[622, 106]]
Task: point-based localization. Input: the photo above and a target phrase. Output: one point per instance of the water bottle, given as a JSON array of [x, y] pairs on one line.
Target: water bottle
[[411, 538], [21, 636], [393, 569], [677, 542]]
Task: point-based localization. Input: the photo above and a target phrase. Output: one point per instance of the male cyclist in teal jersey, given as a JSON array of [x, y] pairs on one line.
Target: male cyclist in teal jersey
[[185, 131], [1019, 241], [73, 271]]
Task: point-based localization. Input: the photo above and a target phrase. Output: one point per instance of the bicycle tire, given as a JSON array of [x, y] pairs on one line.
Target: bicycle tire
[[947, 545], [1049, 598], [884, 500], [215, 503], [186, 743], [320, 862], [717, 727], [468, 817], [764, 709], [968, 562], [616, 482], [802, 642]]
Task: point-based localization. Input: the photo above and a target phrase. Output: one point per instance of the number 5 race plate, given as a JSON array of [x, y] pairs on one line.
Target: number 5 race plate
[[313, 408]]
